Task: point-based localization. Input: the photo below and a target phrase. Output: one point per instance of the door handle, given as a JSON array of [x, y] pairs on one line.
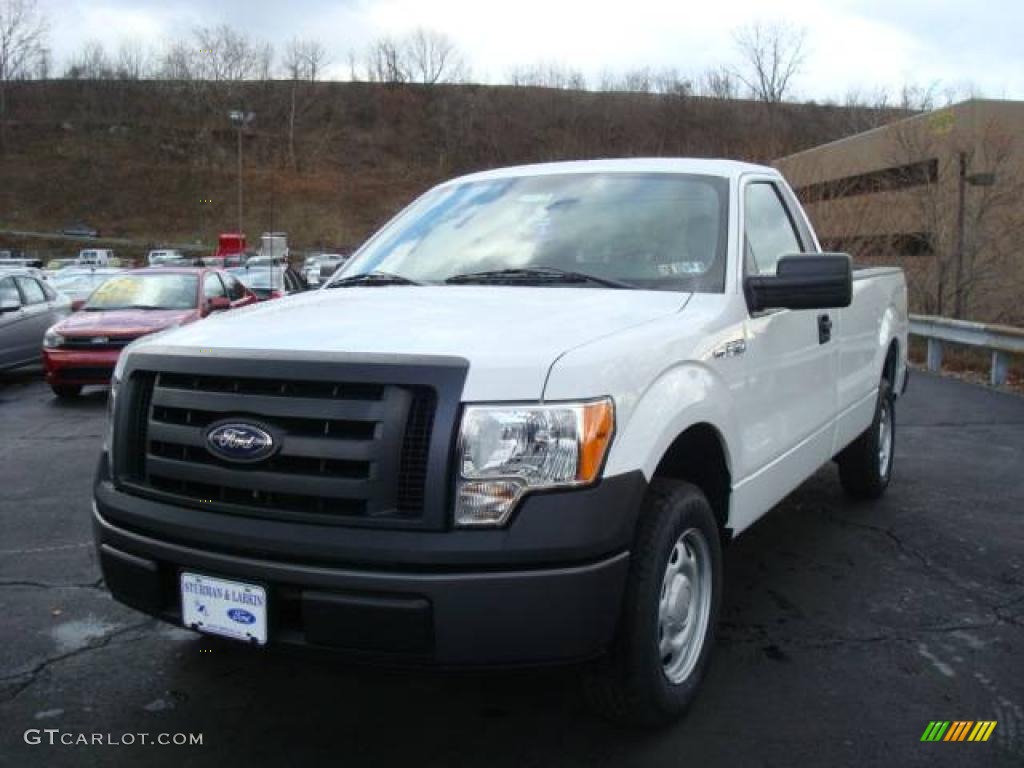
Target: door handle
[[824, 329]]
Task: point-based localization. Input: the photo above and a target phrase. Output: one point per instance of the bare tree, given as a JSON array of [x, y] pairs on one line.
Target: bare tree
[[43, 67], [385, 62], [432, 57], [178, 62], [304, 60], [90, 63], [225, 54], [132, 60], [22, 35], [719, 83], [772, 56], [548, 75]]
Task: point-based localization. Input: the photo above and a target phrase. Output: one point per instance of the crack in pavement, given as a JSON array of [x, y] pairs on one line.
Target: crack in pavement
[[33, 674], [48, 438], [759, 633], [36, 550], [913, 554], [98, 584]]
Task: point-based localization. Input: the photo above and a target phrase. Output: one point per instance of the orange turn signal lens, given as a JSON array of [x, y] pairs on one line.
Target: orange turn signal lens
[[598, 426]]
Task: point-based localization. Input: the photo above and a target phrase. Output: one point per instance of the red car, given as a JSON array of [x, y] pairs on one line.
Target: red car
[[82, 349]]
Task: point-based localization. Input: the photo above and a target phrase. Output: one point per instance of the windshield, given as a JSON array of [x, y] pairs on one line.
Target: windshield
[[653, 231], [167, 291]]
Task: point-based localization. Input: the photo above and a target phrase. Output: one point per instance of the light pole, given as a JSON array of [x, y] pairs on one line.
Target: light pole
[[963, 179], [241, 121]]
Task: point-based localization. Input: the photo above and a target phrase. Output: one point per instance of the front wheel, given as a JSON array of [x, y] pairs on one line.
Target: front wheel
[[670, 611], [865, 465], [66, 391]]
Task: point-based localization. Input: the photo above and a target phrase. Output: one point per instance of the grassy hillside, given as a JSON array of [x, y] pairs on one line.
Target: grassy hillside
[[157, 160]]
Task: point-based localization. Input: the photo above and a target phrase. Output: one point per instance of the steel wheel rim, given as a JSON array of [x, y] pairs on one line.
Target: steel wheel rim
[[884, 440], [684, 605]]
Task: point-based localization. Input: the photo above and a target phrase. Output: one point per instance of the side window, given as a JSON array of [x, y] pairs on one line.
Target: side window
[[768, 230], [50, 293], [236, 290], [31, 291], [8, 292], [212, 286]]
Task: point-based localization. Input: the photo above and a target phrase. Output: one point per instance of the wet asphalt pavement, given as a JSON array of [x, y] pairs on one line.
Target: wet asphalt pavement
[[846, 629]]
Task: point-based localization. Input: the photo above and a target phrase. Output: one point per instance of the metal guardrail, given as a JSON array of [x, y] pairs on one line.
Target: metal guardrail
[[1002, 340]]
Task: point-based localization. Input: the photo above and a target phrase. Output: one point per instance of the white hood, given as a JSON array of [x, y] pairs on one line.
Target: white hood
[[509, 335]]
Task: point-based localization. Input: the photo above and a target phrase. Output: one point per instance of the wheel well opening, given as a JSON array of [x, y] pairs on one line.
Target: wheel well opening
[[697, 456], [891, 361]]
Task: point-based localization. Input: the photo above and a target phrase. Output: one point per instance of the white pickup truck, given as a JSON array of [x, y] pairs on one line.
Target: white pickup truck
[[518, 427]]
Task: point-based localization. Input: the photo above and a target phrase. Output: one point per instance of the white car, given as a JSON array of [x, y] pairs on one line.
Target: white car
[[163, 256], [516, 428]]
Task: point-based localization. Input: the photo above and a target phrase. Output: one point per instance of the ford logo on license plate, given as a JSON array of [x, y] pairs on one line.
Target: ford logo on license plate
[[240, 442]]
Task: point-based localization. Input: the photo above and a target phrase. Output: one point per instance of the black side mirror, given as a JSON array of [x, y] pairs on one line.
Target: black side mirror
[[803, 281]]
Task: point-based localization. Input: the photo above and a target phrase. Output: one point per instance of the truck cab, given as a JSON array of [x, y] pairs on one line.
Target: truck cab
[[518, 427]]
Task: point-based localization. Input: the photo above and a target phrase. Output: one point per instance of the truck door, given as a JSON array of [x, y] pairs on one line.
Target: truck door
[[788, 408]]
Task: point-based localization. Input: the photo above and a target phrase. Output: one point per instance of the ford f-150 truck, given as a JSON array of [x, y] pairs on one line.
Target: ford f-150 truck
[[518, 427]]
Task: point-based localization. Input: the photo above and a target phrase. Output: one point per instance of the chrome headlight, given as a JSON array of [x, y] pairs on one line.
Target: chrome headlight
[[507, 451], [52, 339]]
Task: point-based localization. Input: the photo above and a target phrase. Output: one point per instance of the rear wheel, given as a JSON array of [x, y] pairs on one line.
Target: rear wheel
[[67, 391], [670, 610], [865, 465]]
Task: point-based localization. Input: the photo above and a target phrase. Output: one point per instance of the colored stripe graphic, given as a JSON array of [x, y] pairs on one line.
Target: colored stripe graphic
[[982, 730], [935, 730], [958, 730]]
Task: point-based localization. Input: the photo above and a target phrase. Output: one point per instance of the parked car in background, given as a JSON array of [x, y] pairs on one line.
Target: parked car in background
[[259, 260], [80, 230], [329, 265], [28, 306], [312, 265], [78, 283], [15, 259], [95, 257], [33, 271], [53, 266], [163, 255], [269, 282], [83, 349]]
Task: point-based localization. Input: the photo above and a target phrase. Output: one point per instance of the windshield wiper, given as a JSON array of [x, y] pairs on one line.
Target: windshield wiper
[[373, 278], [536, 275]]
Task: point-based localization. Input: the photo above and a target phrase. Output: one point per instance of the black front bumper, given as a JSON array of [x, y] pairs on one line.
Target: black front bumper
[[546, 589]]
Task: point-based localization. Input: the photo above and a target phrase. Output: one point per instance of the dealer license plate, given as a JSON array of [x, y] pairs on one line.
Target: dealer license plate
[[228, 608]]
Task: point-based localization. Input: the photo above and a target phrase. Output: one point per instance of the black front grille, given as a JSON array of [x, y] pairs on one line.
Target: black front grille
[[351, 452], [85, 373], [95, 342]]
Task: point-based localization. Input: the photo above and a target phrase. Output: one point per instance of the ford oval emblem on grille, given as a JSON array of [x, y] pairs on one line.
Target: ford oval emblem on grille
[[238, 441]]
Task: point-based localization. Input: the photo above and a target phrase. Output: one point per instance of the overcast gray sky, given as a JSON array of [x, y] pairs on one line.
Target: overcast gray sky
[[852, 44]]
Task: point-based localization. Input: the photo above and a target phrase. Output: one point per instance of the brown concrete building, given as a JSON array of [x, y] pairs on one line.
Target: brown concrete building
[[940, 194]]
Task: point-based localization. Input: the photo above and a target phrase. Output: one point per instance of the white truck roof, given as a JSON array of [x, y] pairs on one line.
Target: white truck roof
[[709, 167]]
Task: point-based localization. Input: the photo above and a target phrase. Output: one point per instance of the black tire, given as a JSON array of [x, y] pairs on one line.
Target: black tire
[[861, 469], [630, 686], [66, 391]]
